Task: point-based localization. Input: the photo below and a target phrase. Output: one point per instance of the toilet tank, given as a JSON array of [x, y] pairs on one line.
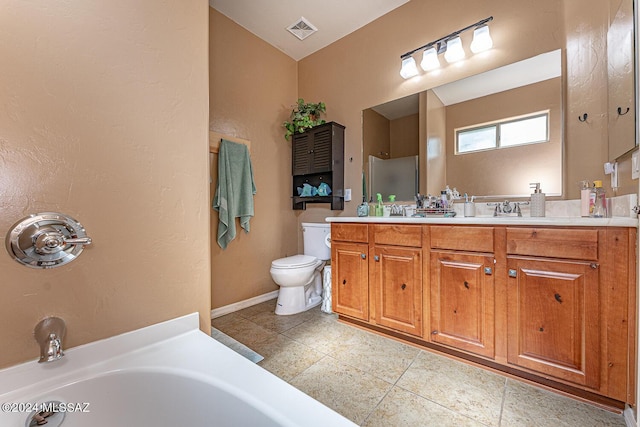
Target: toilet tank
[[315, 237]]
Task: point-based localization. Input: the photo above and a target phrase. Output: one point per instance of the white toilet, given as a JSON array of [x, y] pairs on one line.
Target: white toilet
[[300, 276]]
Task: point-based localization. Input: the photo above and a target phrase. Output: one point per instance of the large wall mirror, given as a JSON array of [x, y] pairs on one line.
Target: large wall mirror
[[468, 124], [429, 125]]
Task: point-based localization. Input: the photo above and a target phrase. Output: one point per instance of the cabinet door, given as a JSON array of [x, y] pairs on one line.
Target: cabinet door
[[398, 281], [350, 279], [321, 150], [312, 151], [553, 318], [301, 150], [462, 301]]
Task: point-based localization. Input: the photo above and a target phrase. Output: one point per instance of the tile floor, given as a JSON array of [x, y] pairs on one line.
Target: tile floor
[[375, 381]]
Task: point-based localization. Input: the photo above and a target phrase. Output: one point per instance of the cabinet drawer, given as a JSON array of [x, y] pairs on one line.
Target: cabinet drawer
[[398, 235], [350, 232], [553, 243], [472, 239]]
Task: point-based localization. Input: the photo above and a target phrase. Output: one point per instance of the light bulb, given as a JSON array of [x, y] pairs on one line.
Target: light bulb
[[481, 39], [430, 59], [409, 68], [454, 52]]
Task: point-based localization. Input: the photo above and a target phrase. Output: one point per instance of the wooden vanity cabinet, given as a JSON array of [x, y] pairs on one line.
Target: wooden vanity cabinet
[[462, 288], [350, 270], [397, 277]]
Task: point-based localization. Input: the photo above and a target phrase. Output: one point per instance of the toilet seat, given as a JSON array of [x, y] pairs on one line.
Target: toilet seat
[[295, 261]]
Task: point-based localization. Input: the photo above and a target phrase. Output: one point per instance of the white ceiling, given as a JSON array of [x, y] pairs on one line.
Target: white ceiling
[[334, 19]]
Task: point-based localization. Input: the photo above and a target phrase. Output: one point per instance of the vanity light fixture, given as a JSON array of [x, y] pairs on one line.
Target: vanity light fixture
[[450, 45], [430, 59], [409, 68], [455, 51], [481, 39]]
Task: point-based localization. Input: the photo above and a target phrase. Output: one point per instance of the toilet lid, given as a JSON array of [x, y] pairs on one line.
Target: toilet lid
[[295, 261]]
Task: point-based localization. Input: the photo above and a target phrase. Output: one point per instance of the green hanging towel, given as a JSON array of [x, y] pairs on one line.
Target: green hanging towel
[[234, 190]]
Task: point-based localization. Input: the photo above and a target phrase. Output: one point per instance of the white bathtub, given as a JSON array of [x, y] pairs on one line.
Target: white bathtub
[[169, 374]]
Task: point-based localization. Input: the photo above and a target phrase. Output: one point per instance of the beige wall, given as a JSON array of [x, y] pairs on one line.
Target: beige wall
[[376, 131], [475, 173], [362, 69], [404, 136], [434, 129], [103, 116], [252, 88]]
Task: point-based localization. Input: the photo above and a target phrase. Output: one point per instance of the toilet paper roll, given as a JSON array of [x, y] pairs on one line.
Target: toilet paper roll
[[327, 240]]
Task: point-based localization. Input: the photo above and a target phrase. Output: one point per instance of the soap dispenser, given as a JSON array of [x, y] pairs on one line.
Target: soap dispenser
[[379, 205], [538, 200]]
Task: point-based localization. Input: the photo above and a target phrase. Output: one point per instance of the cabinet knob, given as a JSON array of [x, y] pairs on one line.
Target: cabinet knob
[[363, 256], [488, 271], [513, 273], [376, 258], [466, 284], [593, 265], [434, 332], [404, 286]]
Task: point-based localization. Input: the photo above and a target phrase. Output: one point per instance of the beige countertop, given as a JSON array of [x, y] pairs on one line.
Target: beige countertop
[[490, 220]]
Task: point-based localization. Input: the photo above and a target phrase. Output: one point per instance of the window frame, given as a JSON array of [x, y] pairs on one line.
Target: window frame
[[497, 124]]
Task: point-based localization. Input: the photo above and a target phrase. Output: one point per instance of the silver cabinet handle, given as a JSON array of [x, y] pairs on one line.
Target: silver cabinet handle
[[376, 257], [363, 256], [513, 273]]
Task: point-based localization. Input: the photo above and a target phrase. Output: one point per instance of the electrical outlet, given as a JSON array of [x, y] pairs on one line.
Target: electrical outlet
[[347, 194], [635, 168]]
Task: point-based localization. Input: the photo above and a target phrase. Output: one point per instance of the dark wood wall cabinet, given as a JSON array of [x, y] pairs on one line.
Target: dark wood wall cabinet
[[317, 157], [553, 305]]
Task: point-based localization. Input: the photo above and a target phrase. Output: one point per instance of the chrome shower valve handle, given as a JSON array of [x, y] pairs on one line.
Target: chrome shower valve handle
[[46, 240]]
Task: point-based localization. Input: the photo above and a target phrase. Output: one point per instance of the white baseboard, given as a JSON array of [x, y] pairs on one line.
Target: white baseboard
[[221, 311], [629, 417]]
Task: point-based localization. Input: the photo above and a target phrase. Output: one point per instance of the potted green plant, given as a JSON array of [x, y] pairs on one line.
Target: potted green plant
[[304, 116]]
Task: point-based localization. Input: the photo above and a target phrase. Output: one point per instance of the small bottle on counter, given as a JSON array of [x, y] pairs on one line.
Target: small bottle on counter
[[585, 193], [379, 205], [444, 202], [363, 208], [598, 201], [538, 201]]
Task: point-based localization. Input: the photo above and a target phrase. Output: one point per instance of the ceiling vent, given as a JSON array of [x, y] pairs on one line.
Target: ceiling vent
[[302, 28]]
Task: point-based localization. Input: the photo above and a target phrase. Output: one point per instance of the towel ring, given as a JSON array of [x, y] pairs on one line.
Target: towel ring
[[620, 113]]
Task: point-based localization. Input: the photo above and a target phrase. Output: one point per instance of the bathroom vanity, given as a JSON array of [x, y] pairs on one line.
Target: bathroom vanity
[[552, 301]]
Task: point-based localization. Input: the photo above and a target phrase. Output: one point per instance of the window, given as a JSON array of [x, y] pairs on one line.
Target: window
[[530, 129]]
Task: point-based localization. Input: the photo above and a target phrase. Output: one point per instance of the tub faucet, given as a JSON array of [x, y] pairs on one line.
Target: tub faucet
[[49, 333]]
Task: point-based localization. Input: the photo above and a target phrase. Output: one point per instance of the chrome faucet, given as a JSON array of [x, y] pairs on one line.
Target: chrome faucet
[[507, 208], [49, 333]]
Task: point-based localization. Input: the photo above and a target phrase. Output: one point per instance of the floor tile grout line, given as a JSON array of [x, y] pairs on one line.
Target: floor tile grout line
[[394, 384], [504, 398]]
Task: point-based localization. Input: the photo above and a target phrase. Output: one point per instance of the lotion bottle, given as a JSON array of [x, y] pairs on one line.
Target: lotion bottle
[[538, 200], [599, 201], [585, 193]]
